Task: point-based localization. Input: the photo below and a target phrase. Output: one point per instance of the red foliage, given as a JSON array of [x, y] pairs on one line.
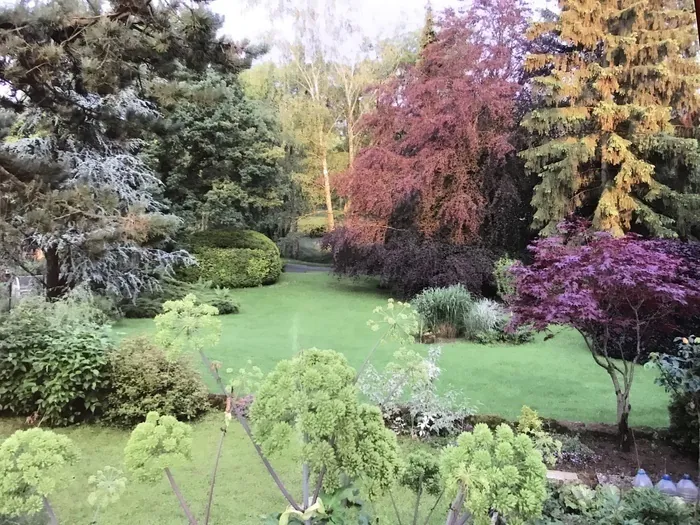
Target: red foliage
[[440, 127]]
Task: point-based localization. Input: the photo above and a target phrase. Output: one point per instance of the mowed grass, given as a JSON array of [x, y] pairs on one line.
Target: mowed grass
[[557, 377], [244, 490]]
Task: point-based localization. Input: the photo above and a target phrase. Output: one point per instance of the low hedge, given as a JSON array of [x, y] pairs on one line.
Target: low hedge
[[234, 258]]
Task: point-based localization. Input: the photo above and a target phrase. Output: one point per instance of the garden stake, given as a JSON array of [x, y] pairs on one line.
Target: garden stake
[[183, 504], [213, 475]]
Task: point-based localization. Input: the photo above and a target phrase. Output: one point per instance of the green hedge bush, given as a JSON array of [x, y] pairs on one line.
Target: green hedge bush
[[234, 258], [143, 380], [53, 362]]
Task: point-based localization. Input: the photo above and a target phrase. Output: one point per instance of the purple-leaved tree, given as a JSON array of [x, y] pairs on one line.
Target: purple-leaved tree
[[600, 286]]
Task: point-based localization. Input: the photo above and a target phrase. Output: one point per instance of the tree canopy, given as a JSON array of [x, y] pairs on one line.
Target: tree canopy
[[612, 136]]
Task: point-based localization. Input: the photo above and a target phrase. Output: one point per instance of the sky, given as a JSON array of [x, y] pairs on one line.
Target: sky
[[377, 18]]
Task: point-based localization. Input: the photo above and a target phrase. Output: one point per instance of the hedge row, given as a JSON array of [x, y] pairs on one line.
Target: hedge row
[[234, 258]]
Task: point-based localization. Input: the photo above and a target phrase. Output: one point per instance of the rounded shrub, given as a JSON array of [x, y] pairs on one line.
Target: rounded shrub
[[234, 258], [53, 363], [144, 380]]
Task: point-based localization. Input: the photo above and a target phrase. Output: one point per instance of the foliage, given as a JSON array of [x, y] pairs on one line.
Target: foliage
[[407, 264], [150, 304], [440, 129], [313, 395], [505, 281], [212, 129], [108, 485], [400, 320], [605, 123], [31, 462], [680, 376], [573, 450], [500, 472], [144, 379], [297, 246], [599, 284], [406, 392], [234, 258], [483, 317], [443, 310], [155, 445], [579, 505], [187, 326], [53, 364], [530, 424], [79, 189]]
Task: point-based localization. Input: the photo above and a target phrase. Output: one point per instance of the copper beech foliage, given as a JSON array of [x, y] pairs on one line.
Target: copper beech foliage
[[440, 127]]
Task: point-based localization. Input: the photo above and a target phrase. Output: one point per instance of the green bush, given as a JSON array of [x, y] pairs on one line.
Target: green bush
[[443, 310], [143, 380], [150, 304], [53, 361], [234, 258], [505, 281]]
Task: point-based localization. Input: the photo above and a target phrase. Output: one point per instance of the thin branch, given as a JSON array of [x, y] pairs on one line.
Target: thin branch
[[213, 476], [417, 506], [369, 356], [437, 501], [396, 509], [53, 520], [246, 427], [183, 504], [319, 484]]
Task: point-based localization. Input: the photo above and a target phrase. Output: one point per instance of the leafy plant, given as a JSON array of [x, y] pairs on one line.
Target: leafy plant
[[187, 326], [574, 451], [108, 485], [31, 462], [443, 310], [313, 396], [421, 474], [53, 362], [494, 473], [154, 447], [482, 318], [505, 280], [144, 379], [530, 424], [408, 384]]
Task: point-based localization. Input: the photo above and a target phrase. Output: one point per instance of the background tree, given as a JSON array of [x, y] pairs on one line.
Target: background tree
[[76, 75], [220, 155], [613, 137], [604, 287]]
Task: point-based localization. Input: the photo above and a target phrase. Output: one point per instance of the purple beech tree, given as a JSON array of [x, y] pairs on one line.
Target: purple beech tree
[[602, 286]]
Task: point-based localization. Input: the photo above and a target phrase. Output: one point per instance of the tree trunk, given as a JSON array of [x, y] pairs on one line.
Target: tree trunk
[[327, 187], [623, 428], [55, 284], [351, 142]]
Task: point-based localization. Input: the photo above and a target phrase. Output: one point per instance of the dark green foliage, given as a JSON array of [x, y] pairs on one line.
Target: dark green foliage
[[144, 380], [683, 425], [234, 258], [233, 146], [150, 304], [52, 367]]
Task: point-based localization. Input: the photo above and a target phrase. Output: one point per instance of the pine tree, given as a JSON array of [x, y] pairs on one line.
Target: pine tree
[[428, 35], [76, 75], [616, 110]]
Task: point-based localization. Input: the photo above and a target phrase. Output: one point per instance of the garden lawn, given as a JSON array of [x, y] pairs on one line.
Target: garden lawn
[[557, 377], [244, 490]]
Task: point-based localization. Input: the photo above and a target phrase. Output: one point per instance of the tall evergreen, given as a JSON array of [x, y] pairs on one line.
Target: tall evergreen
[[613, 133], [428, 34]]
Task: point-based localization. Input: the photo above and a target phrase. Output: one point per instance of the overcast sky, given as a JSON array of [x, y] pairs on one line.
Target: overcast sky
[[376, 17]]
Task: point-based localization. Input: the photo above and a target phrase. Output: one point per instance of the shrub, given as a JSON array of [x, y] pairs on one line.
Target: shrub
[[53, 361], [483, 317], [443, 310], [407, 266], [148, 305], [574, 451], [233, 258], [505, 280], [144, 380], [530, 424]]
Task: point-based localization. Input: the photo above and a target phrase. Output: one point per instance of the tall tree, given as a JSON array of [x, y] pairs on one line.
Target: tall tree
[[76, 75], [617, 102], [440, 128], [219, 156]]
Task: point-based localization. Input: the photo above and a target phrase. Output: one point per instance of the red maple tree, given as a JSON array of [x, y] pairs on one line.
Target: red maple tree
[[441, 127]]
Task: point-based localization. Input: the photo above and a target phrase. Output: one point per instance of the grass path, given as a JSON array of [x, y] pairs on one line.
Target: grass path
[[556, 377]]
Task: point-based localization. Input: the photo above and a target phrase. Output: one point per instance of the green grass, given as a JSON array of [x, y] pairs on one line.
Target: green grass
[[557, 377], [244, 489]]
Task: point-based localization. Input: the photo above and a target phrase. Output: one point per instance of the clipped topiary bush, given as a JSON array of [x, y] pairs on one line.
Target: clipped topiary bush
[[144, 380], [233, 258]]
